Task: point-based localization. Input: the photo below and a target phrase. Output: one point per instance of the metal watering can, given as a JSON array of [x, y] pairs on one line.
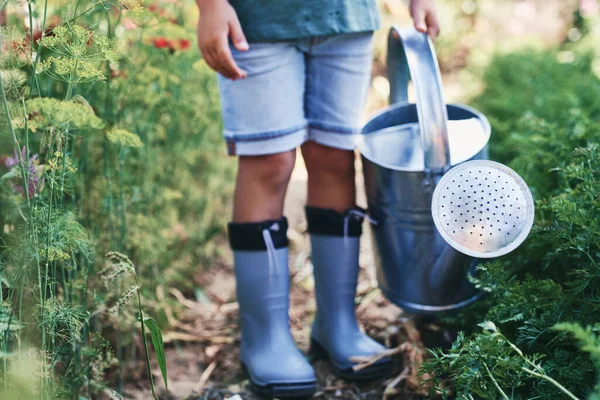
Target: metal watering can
[[406, 149]]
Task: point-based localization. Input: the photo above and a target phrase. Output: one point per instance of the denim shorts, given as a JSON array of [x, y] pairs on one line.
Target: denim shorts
[[306, 89]]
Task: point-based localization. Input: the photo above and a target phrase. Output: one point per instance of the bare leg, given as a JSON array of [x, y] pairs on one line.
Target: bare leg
[[258, 238], [330, 177], [261, 185]]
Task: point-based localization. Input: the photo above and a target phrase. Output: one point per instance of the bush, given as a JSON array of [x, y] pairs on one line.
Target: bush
[[545, 118]]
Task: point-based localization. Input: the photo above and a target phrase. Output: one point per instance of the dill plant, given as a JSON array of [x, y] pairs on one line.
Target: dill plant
[[44, 241], [118, 145]]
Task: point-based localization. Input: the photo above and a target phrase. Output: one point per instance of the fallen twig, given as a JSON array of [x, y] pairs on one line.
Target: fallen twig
[[194, 305], [364, 362], [295, 319], [194, 331], [212, 351], [206, 375], [390, 388], [188, 337], [304, 272], [184, 337], [219, 298], [367, 299], [228, 307]]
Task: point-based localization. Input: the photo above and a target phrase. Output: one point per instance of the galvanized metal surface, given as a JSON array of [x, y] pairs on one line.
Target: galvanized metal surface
[[398, 144], [483, 209], [411, 52], [416, 268]]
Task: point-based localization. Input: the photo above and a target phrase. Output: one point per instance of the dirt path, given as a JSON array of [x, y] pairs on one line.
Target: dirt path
[[202, 352]]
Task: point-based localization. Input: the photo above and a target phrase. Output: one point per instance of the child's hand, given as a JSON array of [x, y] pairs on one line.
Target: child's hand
[[424, 15], [218, 22]]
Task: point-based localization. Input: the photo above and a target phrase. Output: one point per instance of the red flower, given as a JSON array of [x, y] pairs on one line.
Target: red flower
[[161, 43], [172, 45], [184, 44]]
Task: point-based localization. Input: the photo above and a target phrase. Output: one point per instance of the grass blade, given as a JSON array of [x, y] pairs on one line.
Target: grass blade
[[159, 348]]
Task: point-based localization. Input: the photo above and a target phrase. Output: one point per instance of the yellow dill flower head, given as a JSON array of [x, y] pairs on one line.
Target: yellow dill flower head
[[124, 138], [47, 114], [77, 54]]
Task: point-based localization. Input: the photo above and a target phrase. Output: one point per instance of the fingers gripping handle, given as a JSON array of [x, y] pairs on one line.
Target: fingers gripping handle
[[411, 54]]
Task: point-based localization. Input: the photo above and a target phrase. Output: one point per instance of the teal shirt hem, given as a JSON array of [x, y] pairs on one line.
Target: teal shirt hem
[[278, 20]]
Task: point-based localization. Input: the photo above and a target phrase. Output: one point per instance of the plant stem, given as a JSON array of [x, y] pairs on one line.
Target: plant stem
[[141, 312], [14, 135], [27, 177], [69, 94], [552, 381], [39, 52], [76, 17], [541, 374], [504, 396]]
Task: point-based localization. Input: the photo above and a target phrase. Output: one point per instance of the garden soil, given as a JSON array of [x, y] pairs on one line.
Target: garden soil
[[202, 349]]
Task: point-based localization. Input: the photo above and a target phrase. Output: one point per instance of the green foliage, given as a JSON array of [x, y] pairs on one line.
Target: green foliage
[[159, 347], [113, 144], [531, 99], [588, 338], [119, 265], [482, 366], [60, 235], [546, 119], [64, 321]]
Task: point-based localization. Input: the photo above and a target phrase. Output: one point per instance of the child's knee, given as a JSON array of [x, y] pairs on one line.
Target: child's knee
[[323, 159], [273, 170]]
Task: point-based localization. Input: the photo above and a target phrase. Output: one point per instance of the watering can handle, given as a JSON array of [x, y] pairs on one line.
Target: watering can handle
[[411, 54]]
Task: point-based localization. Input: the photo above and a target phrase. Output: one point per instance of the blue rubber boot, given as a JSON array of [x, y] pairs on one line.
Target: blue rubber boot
[[335, 242], [275, 366]]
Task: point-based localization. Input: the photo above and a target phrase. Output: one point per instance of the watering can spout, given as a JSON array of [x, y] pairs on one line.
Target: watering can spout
[[411, 54]]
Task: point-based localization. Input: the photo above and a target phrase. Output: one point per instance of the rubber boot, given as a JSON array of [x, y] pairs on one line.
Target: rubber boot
[[335, 242], [275, 366]]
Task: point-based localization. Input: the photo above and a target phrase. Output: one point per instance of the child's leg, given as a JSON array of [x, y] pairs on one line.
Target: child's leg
[[261, 185], [264, 123], [338, 74], [330, 177]]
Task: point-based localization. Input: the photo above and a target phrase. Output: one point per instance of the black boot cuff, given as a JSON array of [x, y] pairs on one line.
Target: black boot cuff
[[249, 235], [324, 221]]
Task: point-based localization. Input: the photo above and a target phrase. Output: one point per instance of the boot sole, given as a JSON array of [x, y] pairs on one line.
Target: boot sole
[[298, 390], [379, 370]]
